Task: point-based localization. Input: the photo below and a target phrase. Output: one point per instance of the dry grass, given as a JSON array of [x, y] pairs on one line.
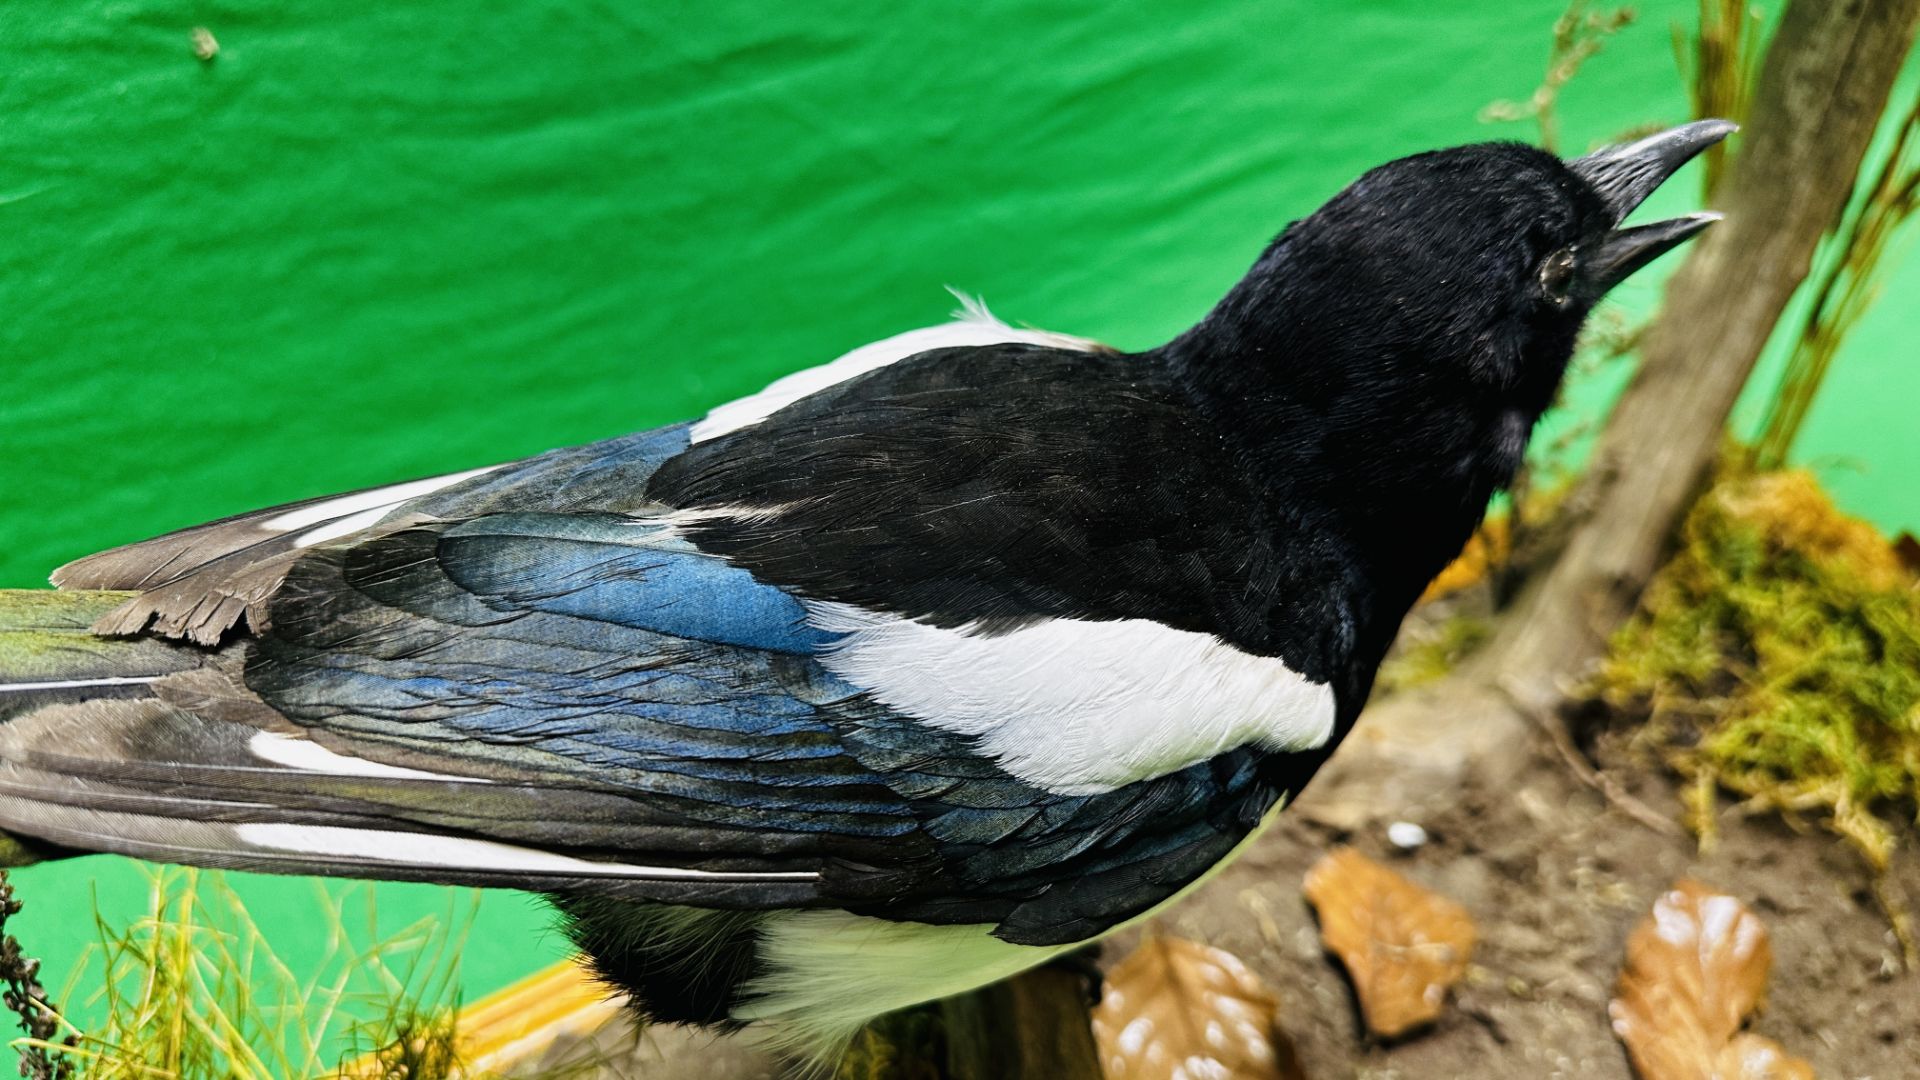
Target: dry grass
[[1845, 288], [193, 990]]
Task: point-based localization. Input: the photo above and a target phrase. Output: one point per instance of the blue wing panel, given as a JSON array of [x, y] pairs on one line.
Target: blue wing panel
[[631, 572]]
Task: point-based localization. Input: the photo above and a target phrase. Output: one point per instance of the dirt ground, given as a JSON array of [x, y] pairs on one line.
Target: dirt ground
[[1555, 878]]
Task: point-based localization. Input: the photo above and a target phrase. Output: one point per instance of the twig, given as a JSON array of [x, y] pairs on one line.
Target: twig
[[27, 998], [1901, 919], [1610, 789]]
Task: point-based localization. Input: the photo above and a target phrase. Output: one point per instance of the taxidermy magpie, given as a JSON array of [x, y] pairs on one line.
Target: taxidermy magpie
[[903, 675]]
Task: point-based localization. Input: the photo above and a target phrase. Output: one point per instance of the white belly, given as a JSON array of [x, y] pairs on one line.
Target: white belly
[[830, 972]]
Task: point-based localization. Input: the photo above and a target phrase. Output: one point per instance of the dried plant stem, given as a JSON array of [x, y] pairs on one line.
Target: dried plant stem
[[1577, 35], [1843, 292], [1609, 788], [1726, 52], [43, 1053]]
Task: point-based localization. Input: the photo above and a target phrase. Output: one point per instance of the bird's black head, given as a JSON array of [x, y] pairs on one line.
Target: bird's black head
[[1479, 260], [1390, 353]]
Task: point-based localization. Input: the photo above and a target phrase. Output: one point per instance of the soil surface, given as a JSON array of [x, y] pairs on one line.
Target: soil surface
[[1555, 876]]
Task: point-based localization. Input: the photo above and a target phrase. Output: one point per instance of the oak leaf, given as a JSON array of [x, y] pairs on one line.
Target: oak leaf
[[1403, 945], [1756, 1057], [1179, 1010], [1696, 967]]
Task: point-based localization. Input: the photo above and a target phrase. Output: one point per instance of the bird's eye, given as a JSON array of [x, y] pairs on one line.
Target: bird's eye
[[1556, 276]]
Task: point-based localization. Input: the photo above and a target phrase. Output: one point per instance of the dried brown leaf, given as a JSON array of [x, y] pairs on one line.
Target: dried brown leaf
[[1403, 945], [1696, 967], [1756, 1057], [1179, 1010]]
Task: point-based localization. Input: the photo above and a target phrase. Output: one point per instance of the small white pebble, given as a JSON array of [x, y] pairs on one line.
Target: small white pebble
[[1406, 836]]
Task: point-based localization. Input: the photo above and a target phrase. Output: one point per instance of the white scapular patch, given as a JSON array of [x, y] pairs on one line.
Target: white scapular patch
[[1077, 707], [376, 501], [973, 325], [308, 756], [428, 849], [79, 684]]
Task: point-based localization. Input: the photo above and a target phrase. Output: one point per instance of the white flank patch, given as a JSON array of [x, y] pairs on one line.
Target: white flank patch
[[427, 849], [829, 972], [973, 325], [381, 499], [79, 684], [308, 756], [1080, 708]]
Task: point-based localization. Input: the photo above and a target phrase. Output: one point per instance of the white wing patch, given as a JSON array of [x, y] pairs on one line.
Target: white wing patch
[[973, 325], [464, 853], [1080, 708], [308, 756]]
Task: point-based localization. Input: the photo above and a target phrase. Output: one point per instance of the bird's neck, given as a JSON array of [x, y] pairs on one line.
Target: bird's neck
[[1393, 449]]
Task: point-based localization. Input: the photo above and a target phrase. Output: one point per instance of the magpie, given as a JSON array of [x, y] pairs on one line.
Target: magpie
[[903, 675]]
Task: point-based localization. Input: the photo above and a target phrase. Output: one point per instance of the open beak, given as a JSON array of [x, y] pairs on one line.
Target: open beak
[[1623, 176]]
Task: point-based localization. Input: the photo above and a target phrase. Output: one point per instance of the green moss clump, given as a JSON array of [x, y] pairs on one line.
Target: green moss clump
[[1778, 656]]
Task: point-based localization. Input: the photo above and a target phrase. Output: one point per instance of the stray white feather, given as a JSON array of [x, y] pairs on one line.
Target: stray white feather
[[308, 756], [1077, 707], [973, 325], [345, 526], [428, 849]]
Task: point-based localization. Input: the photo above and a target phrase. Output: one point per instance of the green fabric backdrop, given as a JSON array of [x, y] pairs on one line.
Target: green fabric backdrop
[[373, 241]]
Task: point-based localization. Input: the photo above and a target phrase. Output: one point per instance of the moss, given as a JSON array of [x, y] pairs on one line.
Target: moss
[[1778, 657]]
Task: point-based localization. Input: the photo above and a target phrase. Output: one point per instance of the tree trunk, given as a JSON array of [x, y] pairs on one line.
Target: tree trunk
[[1821, 92]]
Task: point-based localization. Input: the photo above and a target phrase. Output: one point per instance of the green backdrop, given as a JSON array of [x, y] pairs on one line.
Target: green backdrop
[[373, 241]]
